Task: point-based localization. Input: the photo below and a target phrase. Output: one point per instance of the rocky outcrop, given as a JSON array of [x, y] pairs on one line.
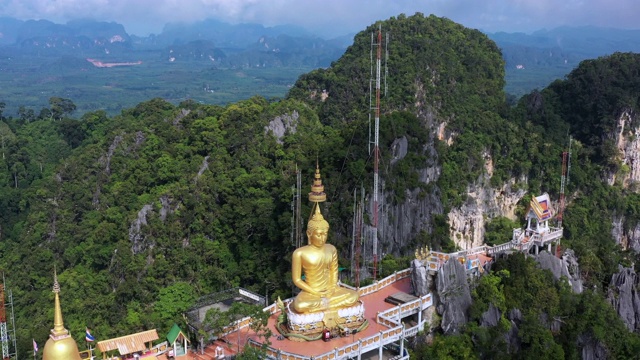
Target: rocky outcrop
[[181, 115], [403, 221], [454, 297], [467, 222], [283, 123], [491, 317], [512, 339], [399, 149], [592, 349], [626, 238], [203, 168], [623, 296], [627, 140], [135, 230], [566, 267], [420, 280]]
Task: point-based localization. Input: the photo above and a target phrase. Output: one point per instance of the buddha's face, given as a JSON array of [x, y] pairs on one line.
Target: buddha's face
[[317, 237]]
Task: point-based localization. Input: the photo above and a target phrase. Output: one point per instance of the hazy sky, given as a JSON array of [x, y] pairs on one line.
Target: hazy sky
[[333, 17]]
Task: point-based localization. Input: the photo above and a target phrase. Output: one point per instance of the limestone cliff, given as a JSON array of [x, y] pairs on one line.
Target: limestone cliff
[[626, 237], [624, 297], [450, 290], [566, 267], [627, 142], [467, 222], [403, 221], [453, 296]]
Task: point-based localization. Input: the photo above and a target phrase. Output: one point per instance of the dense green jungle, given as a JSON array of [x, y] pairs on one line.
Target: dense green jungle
[[143, 212], [118, 88]]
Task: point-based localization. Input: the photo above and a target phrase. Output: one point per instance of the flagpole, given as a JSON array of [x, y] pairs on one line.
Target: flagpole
[[88, 338]]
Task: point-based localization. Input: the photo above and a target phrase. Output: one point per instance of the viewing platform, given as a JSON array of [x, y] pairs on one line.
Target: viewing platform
[[382, 339]]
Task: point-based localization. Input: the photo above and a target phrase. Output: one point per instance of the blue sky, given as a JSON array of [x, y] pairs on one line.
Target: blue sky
[[333, 17]]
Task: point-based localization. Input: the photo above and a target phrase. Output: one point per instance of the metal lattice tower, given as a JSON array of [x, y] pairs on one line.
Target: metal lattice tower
[[296, 219], [7, 335], [356, 248], [566, 167], [3, 326], [377, 44]]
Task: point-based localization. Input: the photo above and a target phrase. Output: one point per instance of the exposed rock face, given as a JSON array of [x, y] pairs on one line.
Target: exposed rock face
[[283, 123], [106, 159], [627, 138], [403, 221], [419, 278], [491, 317], [454, 296], [181, 115], [512, 338], [203, 167], [399, 149], [566, 267], [135, 234], [623, 295], [467, 223], [627, 239], [592, 349]]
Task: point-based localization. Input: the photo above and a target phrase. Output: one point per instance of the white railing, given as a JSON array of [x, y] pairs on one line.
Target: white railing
[[363, 345], [552, 235], [381, 284], [500, 248], [392, 317]]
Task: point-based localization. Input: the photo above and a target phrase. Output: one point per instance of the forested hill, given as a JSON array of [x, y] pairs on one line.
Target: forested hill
[[142, 212]]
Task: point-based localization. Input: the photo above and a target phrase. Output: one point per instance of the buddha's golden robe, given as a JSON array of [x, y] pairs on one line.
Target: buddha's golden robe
[[320, 290]]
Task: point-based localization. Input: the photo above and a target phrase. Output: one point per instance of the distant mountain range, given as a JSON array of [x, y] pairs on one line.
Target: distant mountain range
[[247, 44], [53, 51], [225, 44], [534, 60]]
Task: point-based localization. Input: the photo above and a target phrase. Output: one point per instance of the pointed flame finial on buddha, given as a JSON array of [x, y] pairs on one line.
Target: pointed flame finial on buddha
[[317, 193]]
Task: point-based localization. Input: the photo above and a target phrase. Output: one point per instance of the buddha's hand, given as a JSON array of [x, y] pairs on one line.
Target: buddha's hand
[[325, 302]]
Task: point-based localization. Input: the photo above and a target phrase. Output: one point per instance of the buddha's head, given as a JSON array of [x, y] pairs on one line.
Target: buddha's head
[[317, 229]]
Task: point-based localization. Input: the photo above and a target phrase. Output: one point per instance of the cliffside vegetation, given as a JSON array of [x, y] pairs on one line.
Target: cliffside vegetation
[[143, 212]]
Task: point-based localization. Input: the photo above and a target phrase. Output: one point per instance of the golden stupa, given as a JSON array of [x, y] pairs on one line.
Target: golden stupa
[[60, 345]]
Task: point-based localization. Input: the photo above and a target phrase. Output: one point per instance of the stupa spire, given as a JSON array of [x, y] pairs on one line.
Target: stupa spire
[[60, 345], [58, 323]]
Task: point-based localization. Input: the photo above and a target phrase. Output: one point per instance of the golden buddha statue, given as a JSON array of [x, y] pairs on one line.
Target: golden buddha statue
[[319, 263]]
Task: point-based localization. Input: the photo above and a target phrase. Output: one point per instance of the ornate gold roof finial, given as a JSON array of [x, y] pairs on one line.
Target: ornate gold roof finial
[[422, 253], [58, 324], [56, 286], [317, 193]]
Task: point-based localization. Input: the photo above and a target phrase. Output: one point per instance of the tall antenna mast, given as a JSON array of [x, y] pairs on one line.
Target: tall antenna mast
[[296, 225], [376, 147], [357, 237], [298, 206], [566, 167]]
